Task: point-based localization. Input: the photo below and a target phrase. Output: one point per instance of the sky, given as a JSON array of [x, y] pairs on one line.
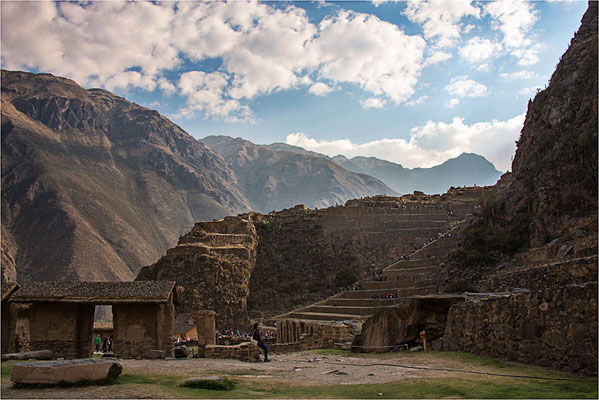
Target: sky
[[413, 82]]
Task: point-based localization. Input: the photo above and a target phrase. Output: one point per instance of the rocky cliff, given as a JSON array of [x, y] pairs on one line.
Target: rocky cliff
[[94, 186], [555, 167]]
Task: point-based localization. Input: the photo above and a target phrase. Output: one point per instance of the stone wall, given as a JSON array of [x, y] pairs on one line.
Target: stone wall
[[244, 352], [65, 329], [139, 328], [552, 328]]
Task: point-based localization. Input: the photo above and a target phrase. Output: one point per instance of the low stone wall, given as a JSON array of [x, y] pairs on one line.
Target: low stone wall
[[577, 271], [244, 352], [552, 328]]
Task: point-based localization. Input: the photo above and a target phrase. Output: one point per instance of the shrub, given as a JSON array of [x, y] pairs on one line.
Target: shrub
[[225, 384]]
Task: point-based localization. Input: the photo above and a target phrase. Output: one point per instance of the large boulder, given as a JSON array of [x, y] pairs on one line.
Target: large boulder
[[394, 326], [70, 371], [29, 355]]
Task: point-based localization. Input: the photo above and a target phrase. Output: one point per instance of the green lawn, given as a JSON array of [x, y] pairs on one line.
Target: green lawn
[[463, 386]]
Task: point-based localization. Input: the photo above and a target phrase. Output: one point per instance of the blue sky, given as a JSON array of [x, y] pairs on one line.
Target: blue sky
[[414, 82]]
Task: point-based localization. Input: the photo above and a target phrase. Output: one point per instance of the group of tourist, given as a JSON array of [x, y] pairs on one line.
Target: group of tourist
[[386, 295], [378, 276], [105, 342], [236, 333]]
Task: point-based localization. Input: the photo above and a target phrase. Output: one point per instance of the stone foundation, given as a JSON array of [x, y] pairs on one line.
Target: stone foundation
[[552, 328], [295, 335]]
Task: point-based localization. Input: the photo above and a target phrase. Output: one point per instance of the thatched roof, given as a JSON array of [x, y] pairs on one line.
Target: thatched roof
[[8, 288], [96, 292], [181, 325]]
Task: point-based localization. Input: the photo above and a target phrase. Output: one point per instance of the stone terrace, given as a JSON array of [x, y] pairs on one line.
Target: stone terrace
[[417, 275]]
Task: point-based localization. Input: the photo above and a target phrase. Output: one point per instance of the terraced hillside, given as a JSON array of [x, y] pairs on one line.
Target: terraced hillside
[[418, 274]]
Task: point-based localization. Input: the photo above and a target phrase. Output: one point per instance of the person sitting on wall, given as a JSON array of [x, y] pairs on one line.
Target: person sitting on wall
[[97, 342], [260, 343]]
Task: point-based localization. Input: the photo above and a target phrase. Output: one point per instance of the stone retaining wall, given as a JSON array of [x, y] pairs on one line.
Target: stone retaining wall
[[577, 271], [552, 328]]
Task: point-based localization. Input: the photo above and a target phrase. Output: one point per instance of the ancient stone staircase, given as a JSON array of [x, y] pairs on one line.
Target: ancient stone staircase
[[417, 275]]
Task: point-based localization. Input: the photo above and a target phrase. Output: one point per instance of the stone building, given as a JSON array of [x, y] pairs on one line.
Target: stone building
[[61, 315]]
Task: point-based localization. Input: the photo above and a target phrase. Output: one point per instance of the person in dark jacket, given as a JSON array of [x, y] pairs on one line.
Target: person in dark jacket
[[257, 338]]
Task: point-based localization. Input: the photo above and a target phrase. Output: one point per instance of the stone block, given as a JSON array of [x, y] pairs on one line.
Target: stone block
[[157, 354], [564, 251], [29, 355], [181, 352], [71, 371]]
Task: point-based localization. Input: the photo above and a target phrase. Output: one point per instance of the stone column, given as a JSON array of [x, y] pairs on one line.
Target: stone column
[[9, 327], [204, 321]]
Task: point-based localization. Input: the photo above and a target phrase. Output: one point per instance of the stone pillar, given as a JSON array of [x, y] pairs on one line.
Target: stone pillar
[[85, 325], [9, 327], [204, 321], [168, 327]]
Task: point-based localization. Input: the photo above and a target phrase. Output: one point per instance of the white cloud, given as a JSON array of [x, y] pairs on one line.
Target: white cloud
[[430, 144], [374, 54], [478, 49], [463, 87], [372, 102], [263, 48], [440, 19], [515, 18], [418, 101], [437, 57], [452, 103], [483, 67], [524, 74], [320, 89]]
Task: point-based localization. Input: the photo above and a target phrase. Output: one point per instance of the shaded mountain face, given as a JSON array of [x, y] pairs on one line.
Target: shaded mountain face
[[555, 166], [280, 179], [93, 186]]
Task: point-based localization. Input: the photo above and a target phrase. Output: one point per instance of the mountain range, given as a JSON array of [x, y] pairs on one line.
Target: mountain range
[[467, 169]]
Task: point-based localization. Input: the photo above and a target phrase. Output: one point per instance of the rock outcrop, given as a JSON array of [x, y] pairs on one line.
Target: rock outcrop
[[401, 325]]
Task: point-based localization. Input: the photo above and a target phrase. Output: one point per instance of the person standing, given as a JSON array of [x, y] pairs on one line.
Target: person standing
[[110, 340], [258, 339], [97, 342], [105, 345]]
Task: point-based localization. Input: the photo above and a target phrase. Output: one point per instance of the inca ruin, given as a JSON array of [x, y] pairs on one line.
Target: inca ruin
[[439, 241]]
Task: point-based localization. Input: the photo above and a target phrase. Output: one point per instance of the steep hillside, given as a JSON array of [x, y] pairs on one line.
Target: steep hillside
[[279, 179], [93, 186]]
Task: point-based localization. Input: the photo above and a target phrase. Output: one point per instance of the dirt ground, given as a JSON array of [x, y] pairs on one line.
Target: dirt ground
[[298, 369]]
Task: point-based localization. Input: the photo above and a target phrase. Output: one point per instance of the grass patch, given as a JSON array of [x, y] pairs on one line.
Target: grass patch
[[225, 384]]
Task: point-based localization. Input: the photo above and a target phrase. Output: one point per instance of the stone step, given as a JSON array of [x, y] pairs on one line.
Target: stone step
[[314, 316], [413, 263], [406, 283], [405, 292], [372, 303], [332, 309]]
